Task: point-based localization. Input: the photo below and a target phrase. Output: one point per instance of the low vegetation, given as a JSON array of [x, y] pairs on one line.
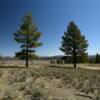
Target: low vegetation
[[49, 83]]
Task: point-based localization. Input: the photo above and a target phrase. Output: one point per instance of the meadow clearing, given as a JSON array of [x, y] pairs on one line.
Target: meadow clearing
[[51, 82]]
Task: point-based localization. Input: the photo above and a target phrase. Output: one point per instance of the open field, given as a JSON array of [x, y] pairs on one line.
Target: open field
[[44, 63], [49, 83]]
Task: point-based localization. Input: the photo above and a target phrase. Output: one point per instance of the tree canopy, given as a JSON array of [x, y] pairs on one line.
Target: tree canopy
[[28, 36], [73, 42]]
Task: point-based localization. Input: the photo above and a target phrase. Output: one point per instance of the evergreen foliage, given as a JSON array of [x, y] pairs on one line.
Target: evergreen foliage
[[28, 37], [73, 42], [97, 58]]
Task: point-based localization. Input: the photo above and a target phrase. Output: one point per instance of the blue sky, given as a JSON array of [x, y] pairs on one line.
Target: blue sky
[[52, 18]]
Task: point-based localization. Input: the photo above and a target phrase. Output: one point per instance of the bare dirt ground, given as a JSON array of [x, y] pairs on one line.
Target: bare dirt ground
[[83, 66]]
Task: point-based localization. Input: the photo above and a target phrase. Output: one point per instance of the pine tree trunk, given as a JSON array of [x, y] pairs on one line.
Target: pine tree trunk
[[26, 63], [27, 53], [75, 62], [74, 56], [27, 58]]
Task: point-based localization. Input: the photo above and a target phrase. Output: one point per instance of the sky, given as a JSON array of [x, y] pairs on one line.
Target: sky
[[51, 18]]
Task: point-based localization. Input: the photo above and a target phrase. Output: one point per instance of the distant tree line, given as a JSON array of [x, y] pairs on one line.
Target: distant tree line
[[94, 59]]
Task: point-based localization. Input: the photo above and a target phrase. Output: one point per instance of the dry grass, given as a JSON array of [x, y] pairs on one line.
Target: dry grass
[[48, 83]]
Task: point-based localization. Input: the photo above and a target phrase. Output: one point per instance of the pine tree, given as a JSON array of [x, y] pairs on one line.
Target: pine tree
[[83, 58], [73, 42], [97, 59], [28, 36]]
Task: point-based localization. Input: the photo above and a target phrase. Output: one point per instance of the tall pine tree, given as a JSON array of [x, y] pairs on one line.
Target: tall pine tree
[[73, 42], [28, 37]]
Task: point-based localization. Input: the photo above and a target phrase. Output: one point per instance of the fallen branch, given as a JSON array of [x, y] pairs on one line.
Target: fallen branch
[[84, 95]]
